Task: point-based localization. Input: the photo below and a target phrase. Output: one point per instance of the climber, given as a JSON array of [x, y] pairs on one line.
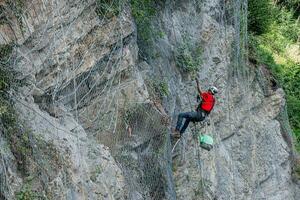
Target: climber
[[207, 102]]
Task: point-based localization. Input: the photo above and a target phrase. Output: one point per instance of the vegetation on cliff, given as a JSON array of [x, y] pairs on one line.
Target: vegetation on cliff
[[275, 42]]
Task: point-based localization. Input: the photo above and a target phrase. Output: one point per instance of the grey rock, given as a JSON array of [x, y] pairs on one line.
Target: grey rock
[[99, 129]]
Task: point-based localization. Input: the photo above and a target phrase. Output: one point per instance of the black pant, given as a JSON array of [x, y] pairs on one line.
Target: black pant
[[189, 117]]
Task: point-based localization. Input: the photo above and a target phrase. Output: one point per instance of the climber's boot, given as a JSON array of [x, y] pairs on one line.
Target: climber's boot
[[176, 133]]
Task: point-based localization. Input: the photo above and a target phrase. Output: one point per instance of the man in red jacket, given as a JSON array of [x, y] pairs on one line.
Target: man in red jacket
[[205, 106]]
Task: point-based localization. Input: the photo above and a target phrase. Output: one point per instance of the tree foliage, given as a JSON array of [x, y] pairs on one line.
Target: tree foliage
[[293, 5], [259, 16], [270, 46]]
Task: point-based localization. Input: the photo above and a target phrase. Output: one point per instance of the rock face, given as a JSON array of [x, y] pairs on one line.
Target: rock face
[[98, 101]]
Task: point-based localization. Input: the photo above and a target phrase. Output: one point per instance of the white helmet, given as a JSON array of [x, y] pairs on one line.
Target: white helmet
[[213, 90]]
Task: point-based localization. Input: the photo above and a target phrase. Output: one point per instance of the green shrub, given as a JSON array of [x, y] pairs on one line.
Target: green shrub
[[27, 193], [161, 88], [108, 8], [261, 53], [188, 57], [293, 104], [292, 5], [158, 88], [286, 25], [283, 32], [144, 12], [12, 131], [94, 174], [296, 169], [259, 16]]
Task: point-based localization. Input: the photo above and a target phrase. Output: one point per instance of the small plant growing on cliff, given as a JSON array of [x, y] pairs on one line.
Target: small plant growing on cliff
[[161, 88], [144, 12], [98, 170], [157, 88], [187, 57], [25, 194], [108, 8]]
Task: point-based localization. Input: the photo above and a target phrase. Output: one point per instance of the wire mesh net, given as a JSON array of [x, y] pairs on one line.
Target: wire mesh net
[[93, 80], [89, 73]]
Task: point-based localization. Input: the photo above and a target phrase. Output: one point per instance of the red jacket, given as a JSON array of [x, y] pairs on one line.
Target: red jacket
[[208, 101]]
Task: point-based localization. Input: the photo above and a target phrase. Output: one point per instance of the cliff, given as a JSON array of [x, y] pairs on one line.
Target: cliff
[[97, 85]]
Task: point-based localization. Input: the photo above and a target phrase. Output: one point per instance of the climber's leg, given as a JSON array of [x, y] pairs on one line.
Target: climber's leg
[[179, 120], [185, 125], [189, 116]]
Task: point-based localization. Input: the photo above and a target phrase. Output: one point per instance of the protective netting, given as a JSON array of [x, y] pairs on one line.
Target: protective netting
[[91, 75], [235, 14], [64, 79], [93, 79], [146, 148], [239, 72]]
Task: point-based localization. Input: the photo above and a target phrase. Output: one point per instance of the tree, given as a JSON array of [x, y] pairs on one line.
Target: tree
[[259, 16]]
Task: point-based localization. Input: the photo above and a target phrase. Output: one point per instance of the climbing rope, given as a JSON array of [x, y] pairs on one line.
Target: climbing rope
[[197, 144]]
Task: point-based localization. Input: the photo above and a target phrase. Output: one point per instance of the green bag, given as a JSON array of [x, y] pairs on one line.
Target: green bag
[[206, 142]]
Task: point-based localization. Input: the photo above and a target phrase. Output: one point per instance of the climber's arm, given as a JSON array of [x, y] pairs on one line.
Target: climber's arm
[[198, 86]]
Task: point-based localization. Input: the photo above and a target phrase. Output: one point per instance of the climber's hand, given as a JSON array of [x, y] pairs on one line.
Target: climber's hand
[[198, 86]]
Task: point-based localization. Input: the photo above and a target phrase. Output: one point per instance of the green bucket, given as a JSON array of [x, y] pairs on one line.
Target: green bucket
[[206, 142]]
